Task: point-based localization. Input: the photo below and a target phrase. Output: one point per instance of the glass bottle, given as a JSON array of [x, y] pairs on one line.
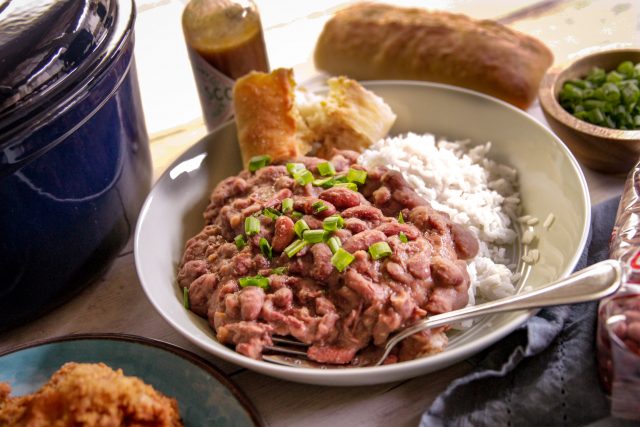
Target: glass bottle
[[225, 41], [618, 333]]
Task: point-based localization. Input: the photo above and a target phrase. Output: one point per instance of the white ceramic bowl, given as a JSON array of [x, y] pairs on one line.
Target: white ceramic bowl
[[550, 182]]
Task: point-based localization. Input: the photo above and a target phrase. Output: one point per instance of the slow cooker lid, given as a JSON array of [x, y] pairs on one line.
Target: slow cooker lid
[[44, 46]]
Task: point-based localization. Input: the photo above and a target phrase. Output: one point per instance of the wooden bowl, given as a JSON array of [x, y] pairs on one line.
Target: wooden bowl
[[603, 149]]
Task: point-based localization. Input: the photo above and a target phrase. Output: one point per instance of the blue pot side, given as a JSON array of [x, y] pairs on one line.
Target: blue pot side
[[68, 212]]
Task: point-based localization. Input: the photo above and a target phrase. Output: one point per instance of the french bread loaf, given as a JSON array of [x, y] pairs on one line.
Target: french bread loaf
[[371, 41]]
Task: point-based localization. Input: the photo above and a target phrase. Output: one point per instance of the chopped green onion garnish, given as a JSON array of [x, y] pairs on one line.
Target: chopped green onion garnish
[[313, 236], [400, 218], [185, 297], [626, 68], [295, 247], [258, 162], [350, 185], [258, 280], [334, 244], [614, 77], [287, 205], [279, 270], [319, 206], [356, 175], [326, 169], [333, 222], [341, 259], [251, 225], [265, 247], [380, 250], [296, 215], [300, 226], [240, 242], [300, 173], [403, 237], [292, 168], [324, 182], [271, 213], [605, 98], [303, 177]]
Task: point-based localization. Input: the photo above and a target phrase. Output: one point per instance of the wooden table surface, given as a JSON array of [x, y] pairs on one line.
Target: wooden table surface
[[116, 302]]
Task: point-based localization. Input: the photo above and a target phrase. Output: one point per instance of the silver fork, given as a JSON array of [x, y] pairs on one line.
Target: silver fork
[[592, 283]]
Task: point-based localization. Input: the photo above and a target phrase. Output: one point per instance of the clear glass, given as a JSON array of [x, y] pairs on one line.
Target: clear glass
[[618, 335], [618, 344]]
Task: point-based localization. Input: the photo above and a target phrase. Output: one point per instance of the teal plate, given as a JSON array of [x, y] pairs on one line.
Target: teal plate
[[206, 397]]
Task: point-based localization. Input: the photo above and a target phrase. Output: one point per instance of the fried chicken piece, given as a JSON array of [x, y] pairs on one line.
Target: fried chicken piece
[[85, 394]]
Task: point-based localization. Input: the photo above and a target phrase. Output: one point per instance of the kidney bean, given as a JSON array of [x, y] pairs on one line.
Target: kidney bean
[[341, 197], [464, 241], [284, 233]]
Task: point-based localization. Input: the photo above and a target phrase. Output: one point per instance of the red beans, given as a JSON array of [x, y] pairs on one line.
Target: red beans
[[283, 234], [465, 242], [306, 205], [341, 197], [366, 213], [337, 313]]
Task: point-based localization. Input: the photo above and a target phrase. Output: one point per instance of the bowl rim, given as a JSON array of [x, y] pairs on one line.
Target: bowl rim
[[365, 375], [551, 106]]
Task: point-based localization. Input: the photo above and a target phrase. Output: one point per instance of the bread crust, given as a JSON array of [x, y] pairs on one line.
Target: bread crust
[[266, 120], [375, 41]]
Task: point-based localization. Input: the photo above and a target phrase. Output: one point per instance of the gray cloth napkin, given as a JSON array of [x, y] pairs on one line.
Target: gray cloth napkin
[[542, 374]]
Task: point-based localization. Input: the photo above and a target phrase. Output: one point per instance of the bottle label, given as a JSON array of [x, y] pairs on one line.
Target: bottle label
[[215, 91], [634, 262]]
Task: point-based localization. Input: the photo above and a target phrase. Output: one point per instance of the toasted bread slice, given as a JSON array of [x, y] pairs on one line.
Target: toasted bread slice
[[273, 117], [349, 118], [266, 117]]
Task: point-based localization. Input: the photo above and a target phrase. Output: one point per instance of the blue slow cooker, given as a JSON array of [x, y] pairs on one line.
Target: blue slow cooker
[[74, 152]]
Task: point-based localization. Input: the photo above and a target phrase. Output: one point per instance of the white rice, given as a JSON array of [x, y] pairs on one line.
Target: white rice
[[460, 180], [549, 221]]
